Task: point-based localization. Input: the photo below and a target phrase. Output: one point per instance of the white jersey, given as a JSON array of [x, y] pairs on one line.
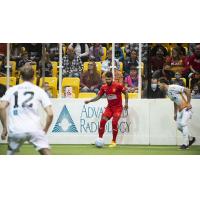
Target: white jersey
[[176, 94], [24, 102]]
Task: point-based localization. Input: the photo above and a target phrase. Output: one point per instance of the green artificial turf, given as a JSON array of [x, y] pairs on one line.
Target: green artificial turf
[[119, 150]]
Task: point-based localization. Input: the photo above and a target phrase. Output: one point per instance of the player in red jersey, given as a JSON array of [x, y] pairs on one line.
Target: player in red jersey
[[113, 92]]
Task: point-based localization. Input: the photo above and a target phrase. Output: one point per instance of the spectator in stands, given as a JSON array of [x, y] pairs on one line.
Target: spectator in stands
[[157, 63], [2, 89], [192, 69], [117, 74], [96, 52], [34, 51], [173, 63], [119, 53], [159, 46], [53, 50], [23, 60], [81, 50], [191, 48], [16, 51], [3, 50], [108, 62], [3, 66], [48, 89], [196, 91], [130, 47], [48, 67], [90, 80], [131, 81], [182, 49], [130, 61], [178, 80], [154, 92], [72, 64]]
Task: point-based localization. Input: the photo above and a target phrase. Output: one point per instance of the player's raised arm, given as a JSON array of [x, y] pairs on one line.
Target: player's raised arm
[[94, 99], [3, 118], [188, 94], [49, 118]]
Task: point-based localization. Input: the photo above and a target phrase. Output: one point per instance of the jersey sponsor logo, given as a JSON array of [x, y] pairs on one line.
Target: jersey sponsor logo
[[111, 96], [65, 123]]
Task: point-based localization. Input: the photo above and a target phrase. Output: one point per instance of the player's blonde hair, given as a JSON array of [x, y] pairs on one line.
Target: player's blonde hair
[[27, 72]]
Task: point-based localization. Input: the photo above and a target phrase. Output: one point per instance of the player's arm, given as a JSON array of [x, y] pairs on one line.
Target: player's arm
[[126, 99], [49, 117], [175, 111], [3, 118], [94, 99], [188, 94]]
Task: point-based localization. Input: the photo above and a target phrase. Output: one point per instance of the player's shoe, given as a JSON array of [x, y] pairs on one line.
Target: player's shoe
[[113, 144], [184, 147], [192, 141]]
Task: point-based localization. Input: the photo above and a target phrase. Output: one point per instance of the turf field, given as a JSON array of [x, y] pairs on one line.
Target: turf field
[[119, 150]]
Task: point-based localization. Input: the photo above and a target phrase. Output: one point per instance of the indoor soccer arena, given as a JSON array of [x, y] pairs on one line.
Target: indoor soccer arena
[[155, 88]]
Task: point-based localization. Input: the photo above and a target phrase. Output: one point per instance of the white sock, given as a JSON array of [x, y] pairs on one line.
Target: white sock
[[185, 135]]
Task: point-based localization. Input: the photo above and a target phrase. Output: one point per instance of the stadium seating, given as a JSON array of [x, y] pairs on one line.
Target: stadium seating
[[34, 81], [131, 95], [54, 68], [98, 64], [74, 83], [35, 69], [121, 66], [13, 67], [104, 54], [123, 50], [13, 80], [184, 80], [52, 83], [186, 50], [86, 95]]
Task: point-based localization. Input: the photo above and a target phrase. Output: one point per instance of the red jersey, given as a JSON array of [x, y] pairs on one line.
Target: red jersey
[[113, 93], [194, 62]]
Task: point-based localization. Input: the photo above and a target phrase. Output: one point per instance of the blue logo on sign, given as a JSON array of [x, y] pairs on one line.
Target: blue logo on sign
[[65, 122]]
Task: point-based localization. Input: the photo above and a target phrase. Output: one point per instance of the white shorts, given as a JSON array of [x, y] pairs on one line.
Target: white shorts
[[183, 117], [37, 139]]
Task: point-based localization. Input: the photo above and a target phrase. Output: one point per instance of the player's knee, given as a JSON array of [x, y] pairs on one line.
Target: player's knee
[[103, 121], [115, 122], [182, 124]]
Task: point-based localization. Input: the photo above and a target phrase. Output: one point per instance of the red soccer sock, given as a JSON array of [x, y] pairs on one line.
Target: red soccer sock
[[115, 130], [102, 127]]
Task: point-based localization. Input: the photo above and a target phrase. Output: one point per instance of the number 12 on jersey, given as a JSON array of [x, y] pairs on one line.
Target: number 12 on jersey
[[26, 103]]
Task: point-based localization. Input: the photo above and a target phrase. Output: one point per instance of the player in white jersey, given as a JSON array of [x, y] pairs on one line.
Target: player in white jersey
[[181, 97], [24, 124]]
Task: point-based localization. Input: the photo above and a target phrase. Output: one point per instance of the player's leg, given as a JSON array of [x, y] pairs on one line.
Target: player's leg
[[105, 117], [15, 141], [116, 116], [40, 142], [182, 124]]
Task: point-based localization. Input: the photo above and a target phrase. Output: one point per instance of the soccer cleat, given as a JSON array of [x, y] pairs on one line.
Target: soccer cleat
[[192, 141], [184, 147], [113, 144]]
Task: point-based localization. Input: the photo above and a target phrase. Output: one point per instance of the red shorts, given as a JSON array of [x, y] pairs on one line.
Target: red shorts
[[112, 112]]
